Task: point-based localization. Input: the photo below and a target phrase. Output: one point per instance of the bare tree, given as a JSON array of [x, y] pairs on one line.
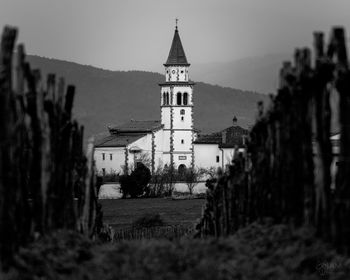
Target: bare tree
[[192, 176], [144, 157], [210, 173]]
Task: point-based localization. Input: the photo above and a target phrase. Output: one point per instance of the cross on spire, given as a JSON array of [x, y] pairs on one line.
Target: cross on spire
[[176, 20]]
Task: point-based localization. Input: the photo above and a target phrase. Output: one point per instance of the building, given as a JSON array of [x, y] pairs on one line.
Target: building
[[218, 149], [128, 144], [165, 142], [177, 108], [172, 140]]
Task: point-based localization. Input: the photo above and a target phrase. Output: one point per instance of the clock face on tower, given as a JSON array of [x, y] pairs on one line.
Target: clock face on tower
[[173, 71]]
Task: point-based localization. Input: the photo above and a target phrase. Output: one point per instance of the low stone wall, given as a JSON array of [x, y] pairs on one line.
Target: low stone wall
[[112, 190]]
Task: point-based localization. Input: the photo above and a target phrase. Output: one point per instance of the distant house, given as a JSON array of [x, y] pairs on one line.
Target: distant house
[[172, 140], [218, 149]]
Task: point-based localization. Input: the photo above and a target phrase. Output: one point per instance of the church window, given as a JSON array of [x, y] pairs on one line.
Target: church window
[[111, 156], [103, 156], [103, 171], [164, 101], [185, 98], [182, 71], [182, 141], [178, 98], [167, 98], [182, 111], [182, 118], [217, 159]]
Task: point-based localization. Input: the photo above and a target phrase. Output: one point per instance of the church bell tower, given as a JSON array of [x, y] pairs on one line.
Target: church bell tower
[[177, 108]]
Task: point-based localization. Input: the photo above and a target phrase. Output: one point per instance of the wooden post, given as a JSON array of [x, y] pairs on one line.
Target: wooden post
[[86, 215], [9, 187], [342, 205], [322, 143]]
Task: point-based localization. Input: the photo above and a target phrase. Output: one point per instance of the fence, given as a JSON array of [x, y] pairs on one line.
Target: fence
[[160, 232], [286, 173], [46, 182]]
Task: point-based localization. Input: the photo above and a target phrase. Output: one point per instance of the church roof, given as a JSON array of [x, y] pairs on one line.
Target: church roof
[[228, 138], [135, 126], [177, 54], [213, 138], [115, 140], [127, 133]]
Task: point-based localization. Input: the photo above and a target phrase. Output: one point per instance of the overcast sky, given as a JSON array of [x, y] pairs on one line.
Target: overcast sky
[[136, 34]]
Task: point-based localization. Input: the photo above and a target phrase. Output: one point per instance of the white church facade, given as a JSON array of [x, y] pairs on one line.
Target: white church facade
[[172, 140]]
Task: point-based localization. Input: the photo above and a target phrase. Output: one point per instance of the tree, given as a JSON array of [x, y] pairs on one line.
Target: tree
[[192, 176], [210, 173], [157, 183], [135, 184], [142, 176], [169, 177], [144, 157], [127, 186]]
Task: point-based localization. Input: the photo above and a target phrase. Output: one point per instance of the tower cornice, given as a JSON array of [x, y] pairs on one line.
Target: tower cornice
[[170, 106], [177, 64], [177, 84]]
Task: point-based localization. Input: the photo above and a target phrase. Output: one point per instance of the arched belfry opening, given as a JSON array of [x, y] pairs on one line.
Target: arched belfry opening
[[178, 98], [185, 98]]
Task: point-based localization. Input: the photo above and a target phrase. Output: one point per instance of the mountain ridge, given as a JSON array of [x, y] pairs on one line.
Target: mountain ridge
[[258, 73], [107, 97]]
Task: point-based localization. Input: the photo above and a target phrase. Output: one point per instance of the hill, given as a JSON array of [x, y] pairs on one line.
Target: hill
[[253, 73], [110, 97]]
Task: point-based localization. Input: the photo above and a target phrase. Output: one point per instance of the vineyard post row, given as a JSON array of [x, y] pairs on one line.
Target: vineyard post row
[[286, 172], [46, 180]]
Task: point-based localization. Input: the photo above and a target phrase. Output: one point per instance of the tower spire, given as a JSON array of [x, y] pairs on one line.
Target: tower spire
[[177, 54]]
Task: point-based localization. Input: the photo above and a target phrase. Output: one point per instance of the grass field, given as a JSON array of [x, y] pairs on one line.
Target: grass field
[[120, 213], [258, 251]]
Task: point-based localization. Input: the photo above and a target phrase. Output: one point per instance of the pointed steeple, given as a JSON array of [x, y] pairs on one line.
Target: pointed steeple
[[177, 54]]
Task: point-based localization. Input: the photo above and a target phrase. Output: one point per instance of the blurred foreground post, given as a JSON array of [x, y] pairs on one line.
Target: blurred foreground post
[[46, 181]]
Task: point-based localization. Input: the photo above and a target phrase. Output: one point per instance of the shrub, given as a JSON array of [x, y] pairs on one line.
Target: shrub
[[135, 184], [141, 175], [110, 177], [148, 220], [127, 186]]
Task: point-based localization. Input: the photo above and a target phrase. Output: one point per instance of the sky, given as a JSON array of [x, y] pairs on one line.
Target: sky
[[137, 34]]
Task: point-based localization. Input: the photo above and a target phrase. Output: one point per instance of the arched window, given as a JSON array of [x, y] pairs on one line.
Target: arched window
[[178, 98], [185, 98], [167, 98], [182, 111], [164, 98]]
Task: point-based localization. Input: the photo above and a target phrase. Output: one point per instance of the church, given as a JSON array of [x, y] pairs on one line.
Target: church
[[172, 140]]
